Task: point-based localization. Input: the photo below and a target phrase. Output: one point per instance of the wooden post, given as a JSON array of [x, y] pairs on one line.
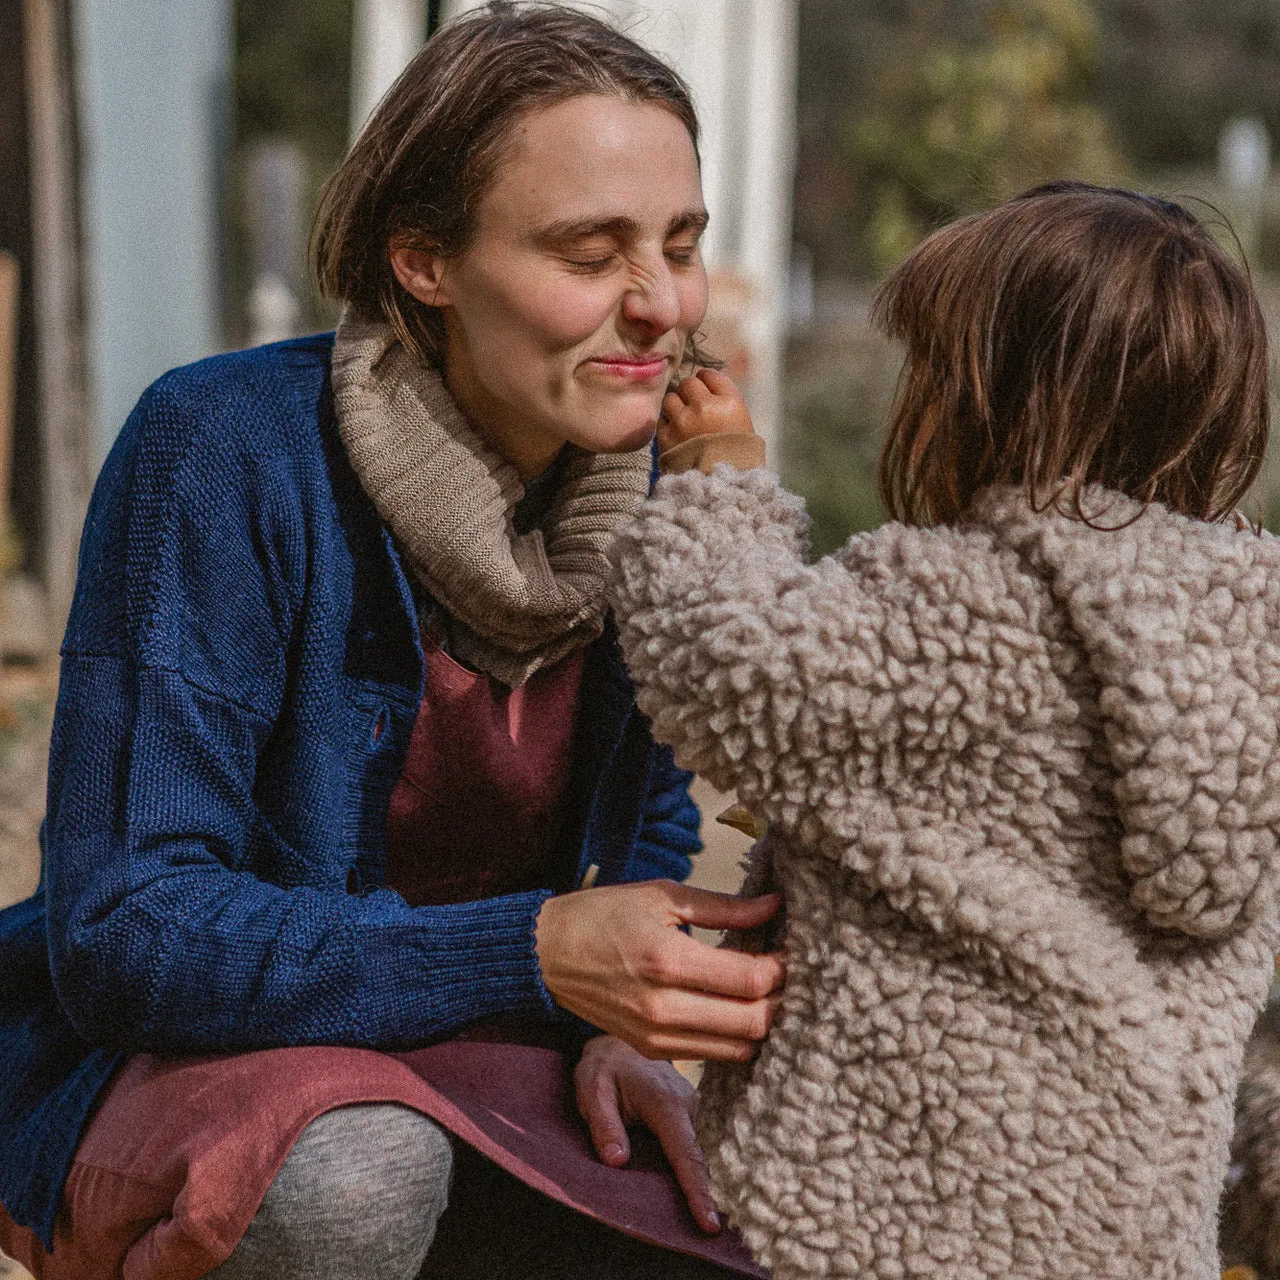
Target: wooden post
[[9, 283], [56, 281]]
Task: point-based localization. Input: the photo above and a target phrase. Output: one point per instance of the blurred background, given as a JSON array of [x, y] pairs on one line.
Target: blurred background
[[159, 163]]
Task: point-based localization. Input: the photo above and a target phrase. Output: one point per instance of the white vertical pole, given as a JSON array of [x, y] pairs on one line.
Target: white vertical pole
[[385, 36], [153, 79], [765, 196], [693, 37], [739, 58]]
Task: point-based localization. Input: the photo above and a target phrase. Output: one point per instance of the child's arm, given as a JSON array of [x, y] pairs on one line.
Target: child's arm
[[713, 596], [809, 689]]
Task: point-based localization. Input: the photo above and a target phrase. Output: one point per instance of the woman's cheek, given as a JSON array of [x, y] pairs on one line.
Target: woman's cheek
[[694, 294], [563, 310]]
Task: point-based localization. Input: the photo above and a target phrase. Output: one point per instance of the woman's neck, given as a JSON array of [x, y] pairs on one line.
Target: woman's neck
[[529, 449]]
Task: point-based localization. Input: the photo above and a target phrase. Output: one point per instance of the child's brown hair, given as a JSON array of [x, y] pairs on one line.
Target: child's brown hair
[[1074, 335]]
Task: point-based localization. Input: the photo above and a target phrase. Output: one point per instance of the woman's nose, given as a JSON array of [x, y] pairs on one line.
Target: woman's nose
[[652, 300]]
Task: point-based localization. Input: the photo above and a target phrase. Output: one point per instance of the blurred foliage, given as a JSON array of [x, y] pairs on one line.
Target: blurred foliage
[[293, 73], [950, 126], [840, 383], [1172, 72], [911, 111], [921, 110]]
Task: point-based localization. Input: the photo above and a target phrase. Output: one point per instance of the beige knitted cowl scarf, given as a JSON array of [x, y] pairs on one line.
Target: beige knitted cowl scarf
[[518, 601]]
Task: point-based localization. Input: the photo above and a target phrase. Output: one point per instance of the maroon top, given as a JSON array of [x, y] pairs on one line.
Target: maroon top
[[474, 813]]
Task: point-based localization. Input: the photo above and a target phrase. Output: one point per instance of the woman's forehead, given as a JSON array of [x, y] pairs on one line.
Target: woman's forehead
[[595, 159]]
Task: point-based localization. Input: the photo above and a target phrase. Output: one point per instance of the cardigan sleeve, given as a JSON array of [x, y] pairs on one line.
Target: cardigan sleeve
[[669, 831], [165, 934]]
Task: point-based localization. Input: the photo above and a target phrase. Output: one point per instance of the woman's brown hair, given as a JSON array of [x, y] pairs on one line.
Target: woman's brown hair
[[418, 171], [1074, 335]]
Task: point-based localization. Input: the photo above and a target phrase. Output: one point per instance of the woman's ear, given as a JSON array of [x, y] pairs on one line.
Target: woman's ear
[[421, 272]]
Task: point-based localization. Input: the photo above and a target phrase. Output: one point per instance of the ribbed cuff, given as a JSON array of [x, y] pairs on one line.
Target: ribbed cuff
[[454, 965], [703, 452]]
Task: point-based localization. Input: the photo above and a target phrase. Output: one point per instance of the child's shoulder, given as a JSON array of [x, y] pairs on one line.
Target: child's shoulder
[[923, 554]]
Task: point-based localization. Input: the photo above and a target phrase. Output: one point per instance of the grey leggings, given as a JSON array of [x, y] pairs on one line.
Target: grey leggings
[[362, 1196], [358, 1196]]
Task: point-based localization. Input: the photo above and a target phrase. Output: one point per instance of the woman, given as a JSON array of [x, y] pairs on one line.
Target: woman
[[342, 721]]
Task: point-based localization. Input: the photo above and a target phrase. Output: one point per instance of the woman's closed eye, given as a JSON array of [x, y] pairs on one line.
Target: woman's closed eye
[[679, 255], [682, 255], [591, 262]]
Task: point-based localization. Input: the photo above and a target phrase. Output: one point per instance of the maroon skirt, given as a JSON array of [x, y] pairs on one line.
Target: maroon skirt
[[180, 1152]]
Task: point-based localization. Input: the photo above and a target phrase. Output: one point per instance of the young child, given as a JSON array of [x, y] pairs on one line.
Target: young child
[[1018, 756]]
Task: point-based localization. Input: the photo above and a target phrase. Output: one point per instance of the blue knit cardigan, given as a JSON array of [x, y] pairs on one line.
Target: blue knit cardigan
[[240, 677]]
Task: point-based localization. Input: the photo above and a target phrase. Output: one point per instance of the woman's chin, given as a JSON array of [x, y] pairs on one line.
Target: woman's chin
[[616, 433], [627, 441]]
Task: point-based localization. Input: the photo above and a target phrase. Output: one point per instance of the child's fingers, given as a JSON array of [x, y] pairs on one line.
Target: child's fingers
[[673, 408], [693, 391], [719, 384]]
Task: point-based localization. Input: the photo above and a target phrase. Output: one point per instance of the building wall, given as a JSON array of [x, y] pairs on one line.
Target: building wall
[[153, 82]]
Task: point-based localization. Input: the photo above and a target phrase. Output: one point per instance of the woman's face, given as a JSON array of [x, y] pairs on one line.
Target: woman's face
[[568, 313]]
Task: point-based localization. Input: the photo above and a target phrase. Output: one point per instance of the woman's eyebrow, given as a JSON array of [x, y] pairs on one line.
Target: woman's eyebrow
[[618, 228], [695, 220]]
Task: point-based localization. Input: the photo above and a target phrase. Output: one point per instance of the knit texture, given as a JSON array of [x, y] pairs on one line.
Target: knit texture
[[240, 679], [1023, 786], [518, 601]]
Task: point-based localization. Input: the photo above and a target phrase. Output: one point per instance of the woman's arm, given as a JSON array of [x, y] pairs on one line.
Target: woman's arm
[[181, 917]]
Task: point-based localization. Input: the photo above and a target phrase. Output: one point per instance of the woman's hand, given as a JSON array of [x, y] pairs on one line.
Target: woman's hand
[[706, 404], [616, 957], [617, 1087]]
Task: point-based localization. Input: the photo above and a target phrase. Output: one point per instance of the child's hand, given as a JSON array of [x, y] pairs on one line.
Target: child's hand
[[706, 404]]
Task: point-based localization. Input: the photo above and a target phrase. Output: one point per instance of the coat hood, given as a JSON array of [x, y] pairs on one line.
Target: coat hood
[[1180, 622]]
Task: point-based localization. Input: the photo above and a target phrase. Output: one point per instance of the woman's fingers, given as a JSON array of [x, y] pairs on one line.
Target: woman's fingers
[[709, 910], [617, 957], [690, 965], [688, 1046], [615, 1086], [681, 1013]]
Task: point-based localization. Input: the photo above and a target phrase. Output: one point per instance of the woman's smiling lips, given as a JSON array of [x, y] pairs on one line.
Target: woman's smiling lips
[[631, 368]]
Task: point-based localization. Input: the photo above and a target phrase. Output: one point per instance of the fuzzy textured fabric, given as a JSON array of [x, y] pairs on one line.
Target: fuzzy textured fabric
[[518, 602], [1022, 783]]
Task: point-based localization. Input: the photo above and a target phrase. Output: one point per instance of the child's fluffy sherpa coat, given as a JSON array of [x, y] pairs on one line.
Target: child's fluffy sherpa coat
[[1023, 787]]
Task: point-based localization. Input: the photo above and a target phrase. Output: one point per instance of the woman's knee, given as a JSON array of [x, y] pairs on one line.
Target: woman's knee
[[359, 1194]]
